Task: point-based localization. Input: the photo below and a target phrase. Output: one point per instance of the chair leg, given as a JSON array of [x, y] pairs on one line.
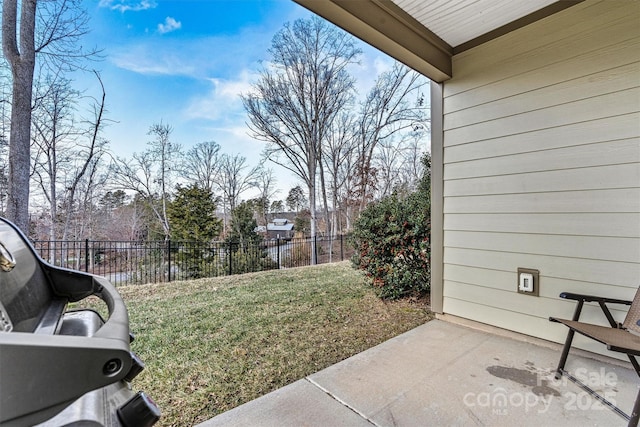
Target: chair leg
[[565, 353], [634, 363], [567, 344], [635, 414]]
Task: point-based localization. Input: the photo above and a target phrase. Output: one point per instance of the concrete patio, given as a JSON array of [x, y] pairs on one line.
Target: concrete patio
[[447, 374]]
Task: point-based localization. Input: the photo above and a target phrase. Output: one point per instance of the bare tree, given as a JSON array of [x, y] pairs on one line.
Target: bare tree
[[4, 182], [5, 112], [50, 29], [398, 161], [233, 181], [202, 165], [413, 149], [54, 138], [339, 158], [389, 160], [67, 158], [86, 177], [387, 109], [21, 56], [123, 219], [265, 183], [150, 173], [297, 98]]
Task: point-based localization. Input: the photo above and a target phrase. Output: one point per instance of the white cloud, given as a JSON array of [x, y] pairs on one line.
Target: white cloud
[[142, 59], [372, 64], [382, 64], [223, 101], [127, 5], [169, 25], [199, 58]]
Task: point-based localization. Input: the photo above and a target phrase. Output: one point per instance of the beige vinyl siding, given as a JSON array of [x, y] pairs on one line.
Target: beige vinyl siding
[[542, 168]]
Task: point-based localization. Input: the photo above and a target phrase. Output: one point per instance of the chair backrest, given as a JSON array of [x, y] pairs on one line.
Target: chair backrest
[[633, 315]]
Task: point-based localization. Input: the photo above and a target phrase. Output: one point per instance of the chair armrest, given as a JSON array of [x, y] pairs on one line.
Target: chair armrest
[[593, 298], [602, 302]]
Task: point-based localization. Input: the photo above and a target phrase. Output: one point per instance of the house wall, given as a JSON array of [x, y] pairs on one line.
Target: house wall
[[542, 168]]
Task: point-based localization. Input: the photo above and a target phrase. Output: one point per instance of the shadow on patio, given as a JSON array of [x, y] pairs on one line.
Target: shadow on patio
[[443, 373]]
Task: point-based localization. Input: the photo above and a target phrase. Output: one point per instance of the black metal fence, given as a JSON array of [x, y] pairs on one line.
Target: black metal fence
[[132, 262]]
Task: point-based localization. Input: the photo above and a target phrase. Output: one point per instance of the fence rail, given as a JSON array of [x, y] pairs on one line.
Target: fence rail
[[133, 262]]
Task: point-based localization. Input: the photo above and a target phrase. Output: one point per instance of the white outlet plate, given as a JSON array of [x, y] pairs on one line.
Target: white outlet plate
[[525, 283], [528, 281]]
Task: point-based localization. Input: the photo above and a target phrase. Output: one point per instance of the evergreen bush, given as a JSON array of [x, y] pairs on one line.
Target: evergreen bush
[[391, 238], [247, 250]]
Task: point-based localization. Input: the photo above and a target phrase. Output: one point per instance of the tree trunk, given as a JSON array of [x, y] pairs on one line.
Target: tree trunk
[[312, 210], [22, 62], [328, 221]]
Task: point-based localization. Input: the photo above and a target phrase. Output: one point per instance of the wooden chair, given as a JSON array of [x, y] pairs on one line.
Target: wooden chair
[[619, 337]]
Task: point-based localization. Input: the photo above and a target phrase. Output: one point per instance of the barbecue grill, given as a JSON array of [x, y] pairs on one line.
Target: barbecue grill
[[61, 367]]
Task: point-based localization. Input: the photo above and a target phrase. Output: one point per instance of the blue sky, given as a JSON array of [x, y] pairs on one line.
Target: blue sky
[[185, 63]]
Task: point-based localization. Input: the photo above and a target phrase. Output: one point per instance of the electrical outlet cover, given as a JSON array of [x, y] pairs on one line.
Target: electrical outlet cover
[[528, 281]]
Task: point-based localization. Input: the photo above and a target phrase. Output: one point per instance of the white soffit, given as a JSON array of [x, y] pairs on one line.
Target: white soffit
[[458, 21]]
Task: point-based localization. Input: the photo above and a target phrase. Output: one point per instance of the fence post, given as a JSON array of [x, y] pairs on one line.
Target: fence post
[[315, 250], [278, 250], [168, 260], [86, 255], [341, 249], [230, 258]]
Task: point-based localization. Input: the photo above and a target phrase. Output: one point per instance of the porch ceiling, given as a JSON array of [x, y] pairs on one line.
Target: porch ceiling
[[458, 21], [425, 34]]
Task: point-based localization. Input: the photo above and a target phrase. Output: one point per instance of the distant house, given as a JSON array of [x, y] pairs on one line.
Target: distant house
[[280, 228]]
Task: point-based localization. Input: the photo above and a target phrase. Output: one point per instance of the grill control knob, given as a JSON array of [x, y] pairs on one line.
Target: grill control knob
[[139, 411], [137, 366]]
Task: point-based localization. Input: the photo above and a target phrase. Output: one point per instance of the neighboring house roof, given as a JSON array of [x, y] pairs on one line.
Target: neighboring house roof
[[280, 224], [273, 227], [425, 34]]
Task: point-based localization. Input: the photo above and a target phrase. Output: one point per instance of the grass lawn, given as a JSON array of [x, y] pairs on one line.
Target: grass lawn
[[213, 344]]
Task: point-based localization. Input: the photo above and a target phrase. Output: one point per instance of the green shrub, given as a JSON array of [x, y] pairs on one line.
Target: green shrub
[[248, 259], [195, 261], [247, 251], [391, 238]]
